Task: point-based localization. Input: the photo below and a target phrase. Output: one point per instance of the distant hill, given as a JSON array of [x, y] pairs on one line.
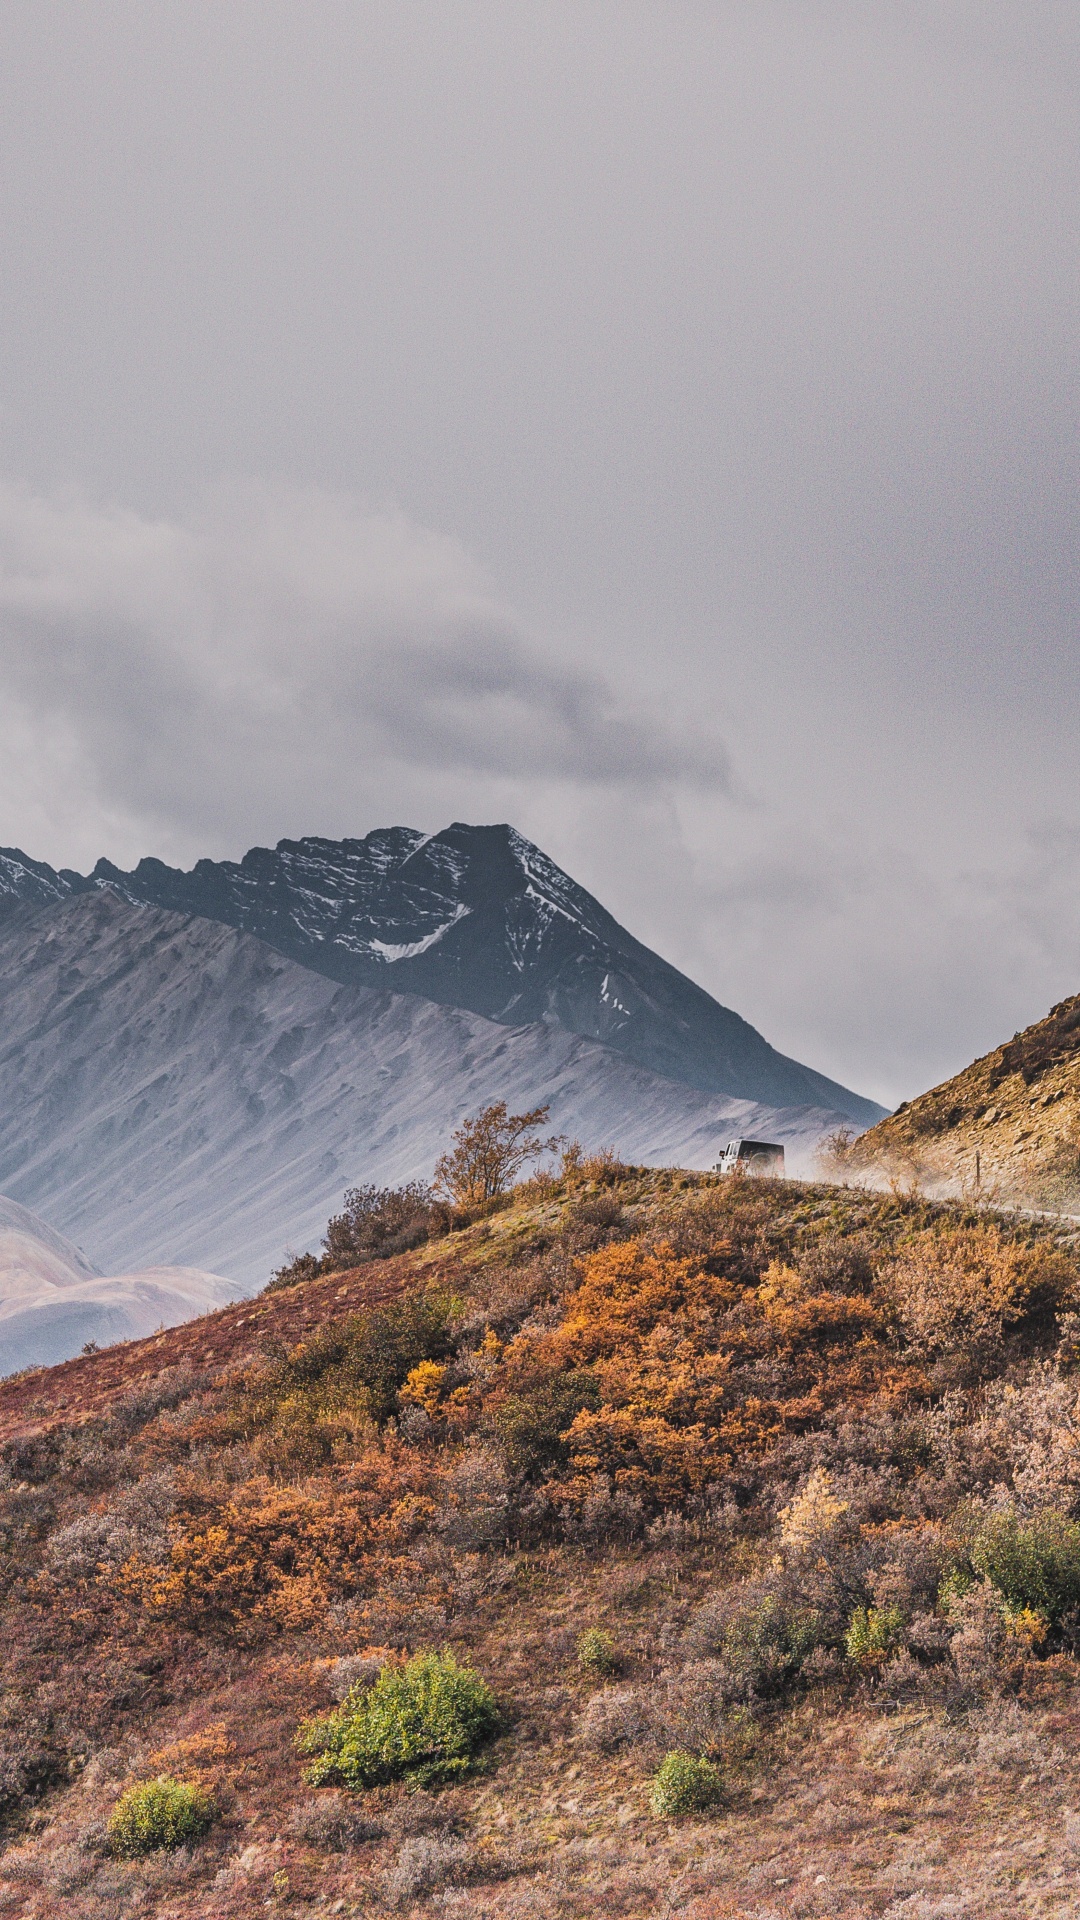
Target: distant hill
[[53, 1301], [174, 1089], [472, 917], [1010, 1121]]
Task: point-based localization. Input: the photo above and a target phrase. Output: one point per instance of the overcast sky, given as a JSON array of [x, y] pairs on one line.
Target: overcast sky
[[654, 423]]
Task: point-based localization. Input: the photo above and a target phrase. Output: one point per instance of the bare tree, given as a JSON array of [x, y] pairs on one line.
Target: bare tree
[[489, 1151]]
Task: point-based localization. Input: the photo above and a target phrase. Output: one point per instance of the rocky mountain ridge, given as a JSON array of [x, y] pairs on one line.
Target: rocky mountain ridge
[[472, 917]]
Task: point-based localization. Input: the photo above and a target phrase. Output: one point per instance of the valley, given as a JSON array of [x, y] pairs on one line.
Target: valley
[[53, 1302]]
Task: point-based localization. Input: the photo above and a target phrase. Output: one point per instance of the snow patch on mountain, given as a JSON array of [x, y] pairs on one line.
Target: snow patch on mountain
[[412, 948]]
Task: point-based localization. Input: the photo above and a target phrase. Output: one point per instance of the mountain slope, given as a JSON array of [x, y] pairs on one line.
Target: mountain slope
[[52, 1301], [822, 1535], [174, 1090], [1017, 1108], [473, 917]]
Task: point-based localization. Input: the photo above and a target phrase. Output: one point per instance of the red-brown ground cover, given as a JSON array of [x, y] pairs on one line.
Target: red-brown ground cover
[[716, 1422]]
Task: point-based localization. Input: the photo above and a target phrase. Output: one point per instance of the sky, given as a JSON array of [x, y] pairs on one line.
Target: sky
[[651, 422]]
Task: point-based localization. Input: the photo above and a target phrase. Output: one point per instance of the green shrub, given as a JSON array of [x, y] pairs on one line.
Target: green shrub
[[364, 1359], [1033, 1564], [375, 1223], [421, 1722], [874, 1633], [380, 1221], [596, 1651], [159, 1813], [957, 1583], [306, 1266], [532, 1427], [765, 1641], [684, 1784]]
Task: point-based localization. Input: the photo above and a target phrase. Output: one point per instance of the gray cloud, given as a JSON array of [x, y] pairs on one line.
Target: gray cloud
[[279, 637]]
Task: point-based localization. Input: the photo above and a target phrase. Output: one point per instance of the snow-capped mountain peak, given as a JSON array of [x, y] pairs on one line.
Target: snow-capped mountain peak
[[471, 917]]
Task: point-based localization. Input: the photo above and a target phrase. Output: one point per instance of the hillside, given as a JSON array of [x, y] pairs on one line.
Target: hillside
[[1017, 1109], [172, 1090], [473, 917], [802, 1464]]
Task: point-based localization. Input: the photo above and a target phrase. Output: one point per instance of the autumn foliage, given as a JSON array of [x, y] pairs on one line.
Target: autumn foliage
[[489, 1150], [789, 1440], [636, 1391]]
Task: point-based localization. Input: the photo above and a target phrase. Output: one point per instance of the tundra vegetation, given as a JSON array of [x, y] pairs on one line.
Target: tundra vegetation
[[641, 1544]]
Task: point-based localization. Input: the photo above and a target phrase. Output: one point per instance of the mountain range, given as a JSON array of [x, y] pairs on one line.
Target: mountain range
[[472, 917], [172, 1089]]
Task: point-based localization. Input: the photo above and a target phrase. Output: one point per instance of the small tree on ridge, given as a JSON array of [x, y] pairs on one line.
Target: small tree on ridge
[[489, 1151]]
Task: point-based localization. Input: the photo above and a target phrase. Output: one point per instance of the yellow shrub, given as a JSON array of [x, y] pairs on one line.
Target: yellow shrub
[[423, 1386], [812, 1514], [1026, 1627]]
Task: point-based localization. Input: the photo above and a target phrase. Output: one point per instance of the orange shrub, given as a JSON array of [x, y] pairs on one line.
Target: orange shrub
[[628, 1291], [279, 1554], [799, 1316], [657, 1332], [959, 1289]]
